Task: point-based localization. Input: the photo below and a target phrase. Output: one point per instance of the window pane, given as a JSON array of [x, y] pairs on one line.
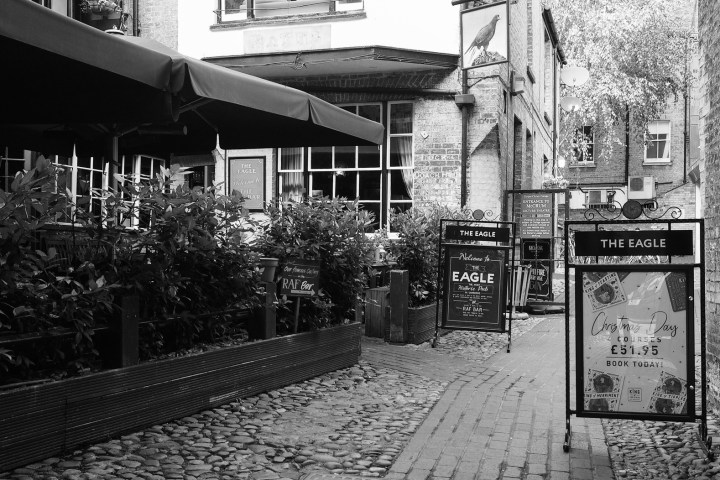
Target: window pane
[[350, 108], [373, 208], [344, 157], [291, 159], [320, 158], [370, 186], [401, 185], [346, 185], [292, 186], [401, 118], [322, 184], [368, 157], [401, 152], [652, 150], [399, 207], [371, 112]]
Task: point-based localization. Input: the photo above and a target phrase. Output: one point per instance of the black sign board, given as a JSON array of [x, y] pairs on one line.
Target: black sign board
[[474, 288], [634, 242], [300, 278], [537, 254], [484, 234]]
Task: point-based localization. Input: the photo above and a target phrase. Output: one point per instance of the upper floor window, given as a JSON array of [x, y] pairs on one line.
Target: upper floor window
[[229, 10], [584, 146], [657, 146], [44, 3]]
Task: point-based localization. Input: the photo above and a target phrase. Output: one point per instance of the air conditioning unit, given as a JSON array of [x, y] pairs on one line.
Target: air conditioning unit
[[599, 198], [641, 188]]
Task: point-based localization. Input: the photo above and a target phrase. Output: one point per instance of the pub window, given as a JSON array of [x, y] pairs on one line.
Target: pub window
[[12, 162], [400, 158], [82, 178], [379, 179]]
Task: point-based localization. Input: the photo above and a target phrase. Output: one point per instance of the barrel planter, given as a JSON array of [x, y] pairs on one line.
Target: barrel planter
[[44, 420], [421, 323]]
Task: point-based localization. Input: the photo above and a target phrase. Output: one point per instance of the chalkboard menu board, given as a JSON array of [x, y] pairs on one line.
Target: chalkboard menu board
[[299, 278], [474, 288], [246, 175]]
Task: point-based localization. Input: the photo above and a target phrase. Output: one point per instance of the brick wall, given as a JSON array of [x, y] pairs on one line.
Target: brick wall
[[158, 19], [709, 27]]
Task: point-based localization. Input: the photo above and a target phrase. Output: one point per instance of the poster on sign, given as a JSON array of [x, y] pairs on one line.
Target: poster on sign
[[635, 342], [474, 288]]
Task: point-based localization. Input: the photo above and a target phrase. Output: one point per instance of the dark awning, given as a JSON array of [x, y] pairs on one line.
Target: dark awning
[[67, 83]]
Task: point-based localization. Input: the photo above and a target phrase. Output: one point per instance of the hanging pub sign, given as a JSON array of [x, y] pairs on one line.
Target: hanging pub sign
[[470, 233], [536, 215], [300, 278], [537, 254], [635, 341], [633, 242], [484, 34], [474, 288]]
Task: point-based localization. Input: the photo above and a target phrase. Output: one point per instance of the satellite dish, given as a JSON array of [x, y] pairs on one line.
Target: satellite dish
[[571, 104], [574, 76]]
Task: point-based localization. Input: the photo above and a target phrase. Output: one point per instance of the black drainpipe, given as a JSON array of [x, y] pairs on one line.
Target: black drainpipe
[[627, 144], [463, 147]]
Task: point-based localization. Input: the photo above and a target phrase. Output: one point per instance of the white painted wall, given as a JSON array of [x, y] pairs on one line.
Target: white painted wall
[[425, 25]]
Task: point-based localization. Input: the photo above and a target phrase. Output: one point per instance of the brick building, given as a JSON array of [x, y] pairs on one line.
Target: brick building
[[453, 136], [709, 30], [659, 170]]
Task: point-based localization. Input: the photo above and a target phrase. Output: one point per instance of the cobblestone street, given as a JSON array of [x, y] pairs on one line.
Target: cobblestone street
[[464, 410]]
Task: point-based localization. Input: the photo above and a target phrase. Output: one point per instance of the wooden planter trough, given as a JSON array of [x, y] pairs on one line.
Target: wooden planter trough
[[45, 420], [421, 324]]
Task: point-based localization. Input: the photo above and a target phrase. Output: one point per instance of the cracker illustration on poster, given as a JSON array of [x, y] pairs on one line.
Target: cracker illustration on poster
[[636, 337]]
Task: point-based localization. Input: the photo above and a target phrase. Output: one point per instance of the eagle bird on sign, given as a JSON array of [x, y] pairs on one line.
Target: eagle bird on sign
[[483, 37]]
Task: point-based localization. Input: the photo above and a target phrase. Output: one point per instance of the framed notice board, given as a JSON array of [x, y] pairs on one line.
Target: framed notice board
[[474, 287], [635, 342], [246, 175]]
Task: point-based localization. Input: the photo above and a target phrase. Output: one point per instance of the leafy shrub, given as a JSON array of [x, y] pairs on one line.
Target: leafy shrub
[[416, 249], [331, 231], [193, 258], [41, 294]]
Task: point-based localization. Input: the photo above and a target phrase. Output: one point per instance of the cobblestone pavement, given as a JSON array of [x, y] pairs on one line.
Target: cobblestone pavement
[[352, 422]]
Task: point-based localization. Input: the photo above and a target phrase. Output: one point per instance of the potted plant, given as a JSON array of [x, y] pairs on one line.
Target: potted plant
[[416, 250]]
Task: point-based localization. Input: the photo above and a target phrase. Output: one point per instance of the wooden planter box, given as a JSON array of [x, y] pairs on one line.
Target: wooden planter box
[[421, 323], [45, 420]]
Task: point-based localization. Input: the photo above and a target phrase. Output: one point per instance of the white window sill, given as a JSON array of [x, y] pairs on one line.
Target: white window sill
[[657, 162], [583, 165]]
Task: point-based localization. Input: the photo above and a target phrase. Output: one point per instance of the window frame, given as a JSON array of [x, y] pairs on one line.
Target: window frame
[[668, 143], [384, 170], [576, 161]]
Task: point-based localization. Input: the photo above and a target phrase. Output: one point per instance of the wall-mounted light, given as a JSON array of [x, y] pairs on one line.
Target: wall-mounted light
[[518, 84]]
